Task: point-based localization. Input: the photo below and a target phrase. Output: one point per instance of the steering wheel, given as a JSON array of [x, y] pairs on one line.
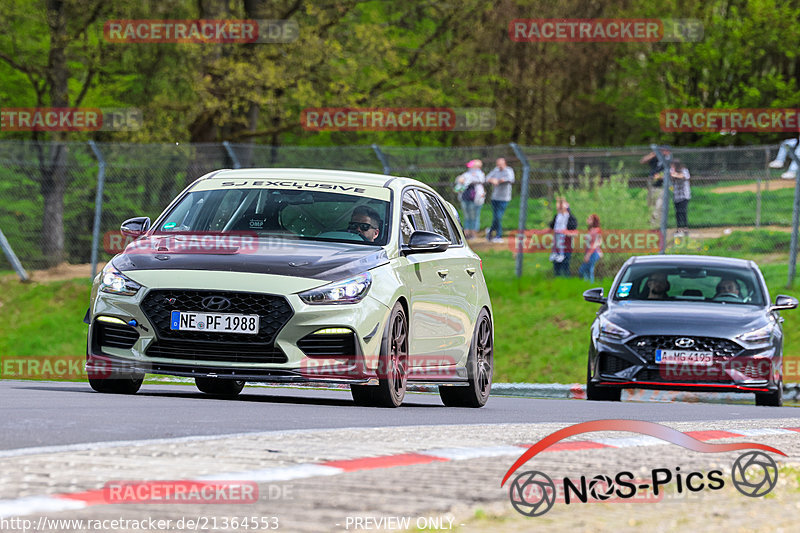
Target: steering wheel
[[727, 295]]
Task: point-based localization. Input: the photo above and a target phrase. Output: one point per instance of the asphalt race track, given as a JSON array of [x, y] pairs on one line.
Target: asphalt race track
[[38, 413]]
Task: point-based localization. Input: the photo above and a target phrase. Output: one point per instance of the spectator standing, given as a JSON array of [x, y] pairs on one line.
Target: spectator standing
[[593, 249], [681, 194], [562, 247], [655, 197], [783, 151], [472, 195], [501, 179]]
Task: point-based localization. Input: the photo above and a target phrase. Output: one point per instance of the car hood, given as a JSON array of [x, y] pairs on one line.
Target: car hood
[[318, 260], [686, 318]]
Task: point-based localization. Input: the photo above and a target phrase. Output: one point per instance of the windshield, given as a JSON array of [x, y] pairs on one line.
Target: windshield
[[284, 212], [729, 285]]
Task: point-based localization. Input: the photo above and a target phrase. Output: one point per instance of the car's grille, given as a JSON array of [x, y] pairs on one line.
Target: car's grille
[[113, 335], [273, 311], [328, 345], [611, 364], [230, 352], [646, 346]]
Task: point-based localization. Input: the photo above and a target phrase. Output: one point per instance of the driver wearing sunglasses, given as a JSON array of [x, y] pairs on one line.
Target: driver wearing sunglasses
[[366, 222]]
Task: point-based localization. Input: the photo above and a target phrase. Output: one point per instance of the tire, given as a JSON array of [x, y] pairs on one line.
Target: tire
[[219, 387], [600, 394], [117, 386], [480, 369], [393, 362], [771, 399], [363, 395]]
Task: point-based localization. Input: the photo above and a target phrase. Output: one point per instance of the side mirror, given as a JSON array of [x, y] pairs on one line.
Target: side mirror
[[784, 302], [426, 241], [133, 227], [594, 295]]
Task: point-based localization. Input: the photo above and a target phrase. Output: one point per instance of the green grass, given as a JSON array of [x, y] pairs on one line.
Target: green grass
[[541, 322], [38, 319], [619, 206]]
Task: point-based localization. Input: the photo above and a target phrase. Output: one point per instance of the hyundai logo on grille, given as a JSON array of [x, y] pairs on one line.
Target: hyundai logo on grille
[[684, 342], [216, 303]]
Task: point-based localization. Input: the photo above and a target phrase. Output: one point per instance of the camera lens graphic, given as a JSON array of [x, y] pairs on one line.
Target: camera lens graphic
[[754, 474], [532, 493]]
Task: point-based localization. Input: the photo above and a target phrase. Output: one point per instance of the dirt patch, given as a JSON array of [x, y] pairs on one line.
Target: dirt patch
[[770, 185], [62, 272]]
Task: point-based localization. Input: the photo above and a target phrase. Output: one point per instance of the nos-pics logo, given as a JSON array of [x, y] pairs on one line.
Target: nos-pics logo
[[533, 493]]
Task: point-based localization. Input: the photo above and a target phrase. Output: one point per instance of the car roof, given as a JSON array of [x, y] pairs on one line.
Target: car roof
[[341, 176], [693, 260]]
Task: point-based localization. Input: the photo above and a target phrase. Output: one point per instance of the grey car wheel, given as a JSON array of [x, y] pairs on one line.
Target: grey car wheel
[[392, 366], [600, 394], [128, 385], [771, 399], [480, 369], [219, 387]]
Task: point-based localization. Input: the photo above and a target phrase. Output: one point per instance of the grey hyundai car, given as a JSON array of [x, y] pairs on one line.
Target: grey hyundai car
[[681, 322]]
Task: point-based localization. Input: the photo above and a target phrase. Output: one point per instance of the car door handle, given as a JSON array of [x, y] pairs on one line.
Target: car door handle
[[470, 271], [443, 273]]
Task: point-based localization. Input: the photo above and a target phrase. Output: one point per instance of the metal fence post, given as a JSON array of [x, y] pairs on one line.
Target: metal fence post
[[665, 162], [382, 158], [758, 187], [98, 204], [523, 204], [232, 154], [12, 257], [795, 221]]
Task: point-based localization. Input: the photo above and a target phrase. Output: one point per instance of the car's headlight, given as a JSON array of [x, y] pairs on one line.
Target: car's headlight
[[757, 336], [114, 282], [348, 291], [611, 330]]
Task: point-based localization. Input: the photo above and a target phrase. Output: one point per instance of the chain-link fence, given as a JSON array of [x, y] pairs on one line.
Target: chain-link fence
[[48, 190]]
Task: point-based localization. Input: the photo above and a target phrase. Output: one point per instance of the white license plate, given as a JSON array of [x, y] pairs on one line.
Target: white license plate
[[219, 322], [684, 357]]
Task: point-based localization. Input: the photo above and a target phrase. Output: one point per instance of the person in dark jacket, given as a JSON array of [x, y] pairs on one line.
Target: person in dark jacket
[[562, 243]]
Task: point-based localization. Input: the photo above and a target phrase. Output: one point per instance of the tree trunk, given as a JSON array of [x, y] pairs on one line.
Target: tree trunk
[[53, 171]]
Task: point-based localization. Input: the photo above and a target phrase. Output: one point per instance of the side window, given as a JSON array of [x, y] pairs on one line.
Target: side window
[[439, 221], [411, 218]]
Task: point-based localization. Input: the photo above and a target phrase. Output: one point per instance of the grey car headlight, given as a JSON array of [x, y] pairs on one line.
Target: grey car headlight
[[114, 282], [611, 330], [757, 337], [347, 291]]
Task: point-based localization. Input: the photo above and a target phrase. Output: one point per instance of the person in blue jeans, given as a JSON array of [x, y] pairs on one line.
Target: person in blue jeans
[[562, 223], [783, 151], [471, 193], [501, 179], [593, 250]]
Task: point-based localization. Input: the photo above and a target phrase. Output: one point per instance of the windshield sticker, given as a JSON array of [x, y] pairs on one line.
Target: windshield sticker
[[371, 191], [169, 225], [624, 290]]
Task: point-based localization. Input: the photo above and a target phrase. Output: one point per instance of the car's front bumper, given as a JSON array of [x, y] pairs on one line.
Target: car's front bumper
[[619, 364], [141, 344]]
